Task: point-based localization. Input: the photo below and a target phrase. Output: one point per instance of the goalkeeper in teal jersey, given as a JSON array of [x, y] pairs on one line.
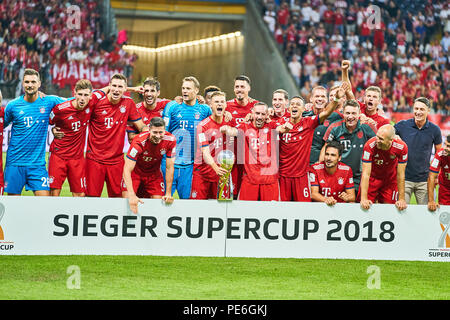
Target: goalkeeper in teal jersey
[[25, 158]]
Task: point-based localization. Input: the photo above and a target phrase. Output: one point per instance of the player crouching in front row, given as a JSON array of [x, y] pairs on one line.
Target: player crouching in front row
[[141, 173]]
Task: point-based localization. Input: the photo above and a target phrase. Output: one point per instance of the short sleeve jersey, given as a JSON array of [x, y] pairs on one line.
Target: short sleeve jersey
[[148, 155], [106, 136], [318, 142], [209, 135], [29, 129], [441, 164], [353, 143], [379, 119], [332, 185], [384, 162], [279, 120], [295, 147], [261, 165], [238, 112], [182, 121], [147, 114], [73, 123]]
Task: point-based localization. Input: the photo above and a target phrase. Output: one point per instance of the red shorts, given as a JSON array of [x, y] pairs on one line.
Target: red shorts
[[147, 186], [96, 175], [236, 176], [261, 192], [295, 189], [202, 189], [74, 170], [381, 191], [444, 195]]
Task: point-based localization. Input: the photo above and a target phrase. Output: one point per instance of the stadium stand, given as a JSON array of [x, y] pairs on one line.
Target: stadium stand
[[405, 52], [44, 34]]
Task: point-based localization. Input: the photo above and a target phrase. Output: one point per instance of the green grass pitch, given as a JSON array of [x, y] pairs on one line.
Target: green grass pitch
[[180, 278]]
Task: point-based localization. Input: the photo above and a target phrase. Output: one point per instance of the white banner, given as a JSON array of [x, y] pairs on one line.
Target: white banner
[[101, 226]]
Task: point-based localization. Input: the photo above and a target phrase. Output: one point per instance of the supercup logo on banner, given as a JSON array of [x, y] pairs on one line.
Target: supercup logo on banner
[[4, 245]]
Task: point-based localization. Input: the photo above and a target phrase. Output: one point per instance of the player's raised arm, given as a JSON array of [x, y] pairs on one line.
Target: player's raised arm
[[345, 66], [333, 105], [431, 184]]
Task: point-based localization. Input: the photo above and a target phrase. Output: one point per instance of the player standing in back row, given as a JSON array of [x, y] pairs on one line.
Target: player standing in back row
[[67, 153], [106, 138], [25, 158]]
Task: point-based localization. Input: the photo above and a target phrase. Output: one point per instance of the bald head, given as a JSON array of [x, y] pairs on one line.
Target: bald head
[[385, 135]]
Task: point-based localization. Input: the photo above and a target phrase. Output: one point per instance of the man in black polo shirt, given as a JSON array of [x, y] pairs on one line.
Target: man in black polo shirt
[[420, 135]]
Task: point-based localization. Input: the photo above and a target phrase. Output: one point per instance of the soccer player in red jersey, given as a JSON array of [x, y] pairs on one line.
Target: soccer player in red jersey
[[332, 180], [295, 148], [280, 101], [239, 107], [383, 169], [142, 170], [2, 117], [260, 179], [150, 107], [440, 165], [106, 138], [372, 98], [67, 153], [213, 136]]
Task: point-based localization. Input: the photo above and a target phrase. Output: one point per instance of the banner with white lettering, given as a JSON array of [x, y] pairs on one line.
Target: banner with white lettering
[[101, 226]]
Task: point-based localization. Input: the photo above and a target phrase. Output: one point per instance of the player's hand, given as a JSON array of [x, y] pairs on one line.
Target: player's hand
[[366, 204], [228, 116], [138, 89], [432, 206], [330, 201], [365, 119], [345, 64], [380, 111], [342, 90], [41, 94], [248, 117], [57, 133], [271, 112], [178, 99], [168, 199], [287, 126], [401, 205], [221, 171], [308, 106], [344, 196], [201, 99], [133, 201]]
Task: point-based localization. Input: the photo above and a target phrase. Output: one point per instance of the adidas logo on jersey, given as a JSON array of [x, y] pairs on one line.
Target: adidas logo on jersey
[[446, 167], [104, 112], [179, 115], [234, 112], [21, 112], [70, 118], [322, 181]]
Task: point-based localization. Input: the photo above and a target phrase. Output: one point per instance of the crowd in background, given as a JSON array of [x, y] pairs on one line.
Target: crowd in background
[[400, 46], [40, 33]]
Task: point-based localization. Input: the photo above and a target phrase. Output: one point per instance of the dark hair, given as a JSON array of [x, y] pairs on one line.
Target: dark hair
[[423, 100], [157, 122], [209, 89], [31, 72], [299, 97], [335, 144], [152, 82], [243, 78], [352, 103]]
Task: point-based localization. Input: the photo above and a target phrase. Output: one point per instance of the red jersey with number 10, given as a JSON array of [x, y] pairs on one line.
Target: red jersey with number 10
[[107, 128], [384, 162], [73, 123]]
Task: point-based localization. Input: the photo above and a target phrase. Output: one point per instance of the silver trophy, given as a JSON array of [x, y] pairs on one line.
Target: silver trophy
[[444, 218]]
